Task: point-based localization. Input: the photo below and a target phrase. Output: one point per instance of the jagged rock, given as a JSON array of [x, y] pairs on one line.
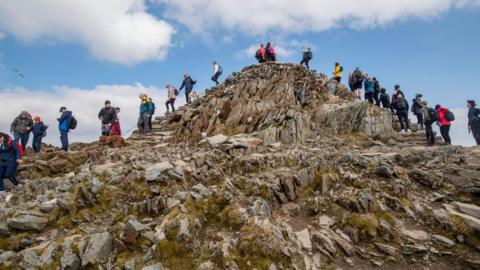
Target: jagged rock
[[431, 179], [157, 266], [469, 220], [217, 140], [98, 249], [4, 230], [443, 240], [70, 261], [325, 222], [342, 243], [387, 249], [325, 241], [470, 209], [207, 266], [303, 237], [416, 234], [184, 231], [154, 171], [27, 221], [132, 230], [384, 171]]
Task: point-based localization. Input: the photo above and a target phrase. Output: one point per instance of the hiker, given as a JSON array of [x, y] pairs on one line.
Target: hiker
[[401, 107], [64, 125], [146, 112], [188, 83], [429, 116], [358, 78], [337, 73], [444, 121], [395, 93], [261, 54], [39, 132], [306, 57], [21, 128], [172, 96], [417, 110], [385, 99], [10, 158], [116, 130], [108, 115], [369, 89], [376, 91], [474, 120], [217, 71], [271, 56]]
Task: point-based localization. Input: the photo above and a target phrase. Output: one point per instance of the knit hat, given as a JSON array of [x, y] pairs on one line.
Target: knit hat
[[62, 108], [472, 103], [37, 118]]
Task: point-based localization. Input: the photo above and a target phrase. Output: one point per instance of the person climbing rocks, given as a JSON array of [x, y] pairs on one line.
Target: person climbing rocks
[[146, 112], [337, 73], [444, 121], [401, 107], [271, 56], [65, 123], [417, 110], [385, 99], [21, 128], [10, 158], [261, 54], [474, 120], [306, 57], [358, 77], [369, 89], [188, 83], [172, 96], [376, 91], [429, 116], [108, 115], [217, 71], [39, 132], [116, 130]]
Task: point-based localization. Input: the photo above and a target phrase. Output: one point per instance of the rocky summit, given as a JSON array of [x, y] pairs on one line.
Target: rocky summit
[[276, 168]]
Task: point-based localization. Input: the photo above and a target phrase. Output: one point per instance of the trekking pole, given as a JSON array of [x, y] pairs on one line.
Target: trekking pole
[[128, 131]]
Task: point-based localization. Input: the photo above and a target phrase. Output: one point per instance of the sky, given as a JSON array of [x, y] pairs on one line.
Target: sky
[[79, 53]]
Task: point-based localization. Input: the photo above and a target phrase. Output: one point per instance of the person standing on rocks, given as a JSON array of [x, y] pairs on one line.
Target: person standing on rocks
[[146, 112], [108, 115], [358, 77], [369, 89], [21, 128], [270, 53], [444, 122], [417, 110], [396, 92], [172, 96], [376, 92], [188, 83], [10, 158], [217, 71], [429, 116], [64, 125], [306, 57], [402, 107], [261, 54], [39, 132], [116, 130], [474, 120], [385, 99], [337, 73]]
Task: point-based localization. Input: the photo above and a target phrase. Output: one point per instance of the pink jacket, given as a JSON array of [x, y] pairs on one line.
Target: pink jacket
[[171, 92]]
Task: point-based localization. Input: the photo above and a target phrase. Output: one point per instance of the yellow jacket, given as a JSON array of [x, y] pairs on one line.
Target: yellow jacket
[[337, 72]]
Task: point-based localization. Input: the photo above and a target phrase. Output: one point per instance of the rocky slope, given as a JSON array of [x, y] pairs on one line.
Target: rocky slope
[[264, 172]]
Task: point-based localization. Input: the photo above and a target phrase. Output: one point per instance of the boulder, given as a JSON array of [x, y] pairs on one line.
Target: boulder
[[470, 209], [416, 234], [157, 266], [27, 221], [303, 237], [154, 171], [99, 248]]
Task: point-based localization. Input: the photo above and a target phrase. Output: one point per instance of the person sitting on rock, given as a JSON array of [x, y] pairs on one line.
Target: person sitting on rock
[[271, 56], [188, 83], [217, 71], [306, 57], [171, 98], [429, 116], [474, 120], [146, 112], [39, 132], [10, 158], [21, 128], [108, 115], [369, 89], [116, 130], [261, 54], [417, 110], [337, 72]]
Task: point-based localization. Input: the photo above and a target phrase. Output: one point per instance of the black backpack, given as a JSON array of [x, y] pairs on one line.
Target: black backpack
[[433, 115], [401, 103], [449, 116], [309, 55], [153, 108], [175, 90], [341, 69], [72, 123]]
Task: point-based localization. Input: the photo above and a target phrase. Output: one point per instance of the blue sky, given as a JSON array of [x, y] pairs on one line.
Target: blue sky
[[427, 49]]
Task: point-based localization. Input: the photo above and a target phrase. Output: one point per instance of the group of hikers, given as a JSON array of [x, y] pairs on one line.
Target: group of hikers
[[12, 146]]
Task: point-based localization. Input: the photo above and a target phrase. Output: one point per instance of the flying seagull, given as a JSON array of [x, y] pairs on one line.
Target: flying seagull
[[19, 73]]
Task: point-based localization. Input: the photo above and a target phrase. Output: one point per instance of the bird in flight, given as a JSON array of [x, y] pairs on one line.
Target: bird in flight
[[19, 73]]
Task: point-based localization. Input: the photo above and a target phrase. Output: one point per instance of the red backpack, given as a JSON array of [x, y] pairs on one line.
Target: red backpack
[[19, 146]]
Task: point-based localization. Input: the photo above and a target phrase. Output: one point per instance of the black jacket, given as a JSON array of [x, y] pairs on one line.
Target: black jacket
[[416, 107], [473, 117], [9, 154], [107, 115], [188, 83], [39, 129], [385, 100]]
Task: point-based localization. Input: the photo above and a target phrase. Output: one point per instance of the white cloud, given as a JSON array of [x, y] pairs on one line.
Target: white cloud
[[120, 31], [295, 16], [85, 104]]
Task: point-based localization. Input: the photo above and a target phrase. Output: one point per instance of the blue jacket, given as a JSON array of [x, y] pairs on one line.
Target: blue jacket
[[188, 84], [39, 129], [146, 107], [9, 155], [369, 86], [63, 121], [473, 117]]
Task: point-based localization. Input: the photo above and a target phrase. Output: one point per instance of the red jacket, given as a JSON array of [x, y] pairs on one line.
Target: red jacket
[[441, 117], [115, 130]]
